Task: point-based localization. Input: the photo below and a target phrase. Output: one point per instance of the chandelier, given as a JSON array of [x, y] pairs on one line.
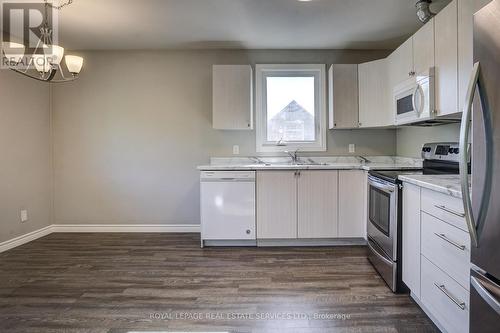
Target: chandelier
[[45, 63]]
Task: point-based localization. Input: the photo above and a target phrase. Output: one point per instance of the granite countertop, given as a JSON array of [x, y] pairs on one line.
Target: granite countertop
[[448, 184], [323, 163]]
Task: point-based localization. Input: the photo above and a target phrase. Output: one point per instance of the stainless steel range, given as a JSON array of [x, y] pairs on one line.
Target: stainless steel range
[[385, 209]]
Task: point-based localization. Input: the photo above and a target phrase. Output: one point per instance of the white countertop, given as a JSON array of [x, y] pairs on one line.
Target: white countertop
[[448, 184], [325, 163]]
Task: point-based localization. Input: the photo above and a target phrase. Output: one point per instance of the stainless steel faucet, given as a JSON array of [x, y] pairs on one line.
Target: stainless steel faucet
[[363, 159], [294, 156]]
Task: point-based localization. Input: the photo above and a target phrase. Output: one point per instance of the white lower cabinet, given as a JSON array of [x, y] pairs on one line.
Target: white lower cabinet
[[444, 298], [352, 205], [436, 256], [276, 205], [317, 204], [411, 237], [448, 247], [311, 204]]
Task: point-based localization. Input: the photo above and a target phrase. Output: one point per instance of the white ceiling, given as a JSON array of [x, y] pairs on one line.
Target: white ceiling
[[252, 24]]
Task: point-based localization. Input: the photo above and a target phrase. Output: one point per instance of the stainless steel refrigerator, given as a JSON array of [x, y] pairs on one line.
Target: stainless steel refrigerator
[[482, 113]]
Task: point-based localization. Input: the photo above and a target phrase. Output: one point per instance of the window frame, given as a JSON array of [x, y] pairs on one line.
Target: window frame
[[290, 70]]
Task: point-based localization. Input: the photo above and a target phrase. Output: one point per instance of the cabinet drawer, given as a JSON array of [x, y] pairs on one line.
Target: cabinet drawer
[[447, 301], [447, 247], [444, 207]]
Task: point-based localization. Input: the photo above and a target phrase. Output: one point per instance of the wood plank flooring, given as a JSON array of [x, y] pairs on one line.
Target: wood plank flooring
[[164, 282]]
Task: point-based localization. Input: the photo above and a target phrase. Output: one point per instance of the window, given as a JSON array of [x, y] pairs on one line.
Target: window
[[290, 108]]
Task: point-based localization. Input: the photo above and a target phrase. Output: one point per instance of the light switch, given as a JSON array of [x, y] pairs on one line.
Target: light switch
[[352, 148], [24, 215], [236, 150]]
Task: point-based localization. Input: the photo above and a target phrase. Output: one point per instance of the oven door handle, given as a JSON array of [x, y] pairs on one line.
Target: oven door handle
[[380, 185]]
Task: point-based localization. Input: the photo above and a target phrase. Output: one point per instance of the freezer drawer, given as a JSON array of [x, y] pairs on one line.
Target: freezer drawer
[[485, 304]]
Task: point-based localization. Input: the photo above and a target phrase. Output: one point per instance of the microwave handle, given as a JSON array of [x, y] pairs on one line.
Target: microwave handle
[[418, 90]]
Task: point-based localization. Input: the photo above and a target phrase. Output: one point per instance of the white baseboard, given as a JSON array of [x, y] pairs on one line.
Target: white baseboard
[[86, 228], [144, 228], [29, 237]]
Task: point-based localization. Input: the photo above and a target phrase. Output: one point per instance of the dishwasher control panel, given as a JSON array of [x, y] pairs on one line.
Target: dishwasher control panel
[[227, 176]]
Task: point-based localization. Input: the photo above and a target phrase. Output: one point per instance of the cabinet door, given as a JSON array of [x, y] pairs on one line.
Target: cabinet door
[[465, 48], [317, 204], [352, 204], [232, 98], [411, 237], [374, 110], [446, 27], [343, 96], [276, 205], [423, 48], [401, 63]]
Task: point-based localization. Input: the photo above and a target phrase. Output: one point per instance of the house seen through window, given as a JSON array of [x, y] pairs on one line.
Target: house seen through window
[[290, 107]]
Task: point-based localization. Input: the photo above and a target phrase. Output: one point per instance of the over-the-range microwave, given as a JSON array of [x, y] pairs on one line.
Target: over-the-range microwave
[[415, 98]]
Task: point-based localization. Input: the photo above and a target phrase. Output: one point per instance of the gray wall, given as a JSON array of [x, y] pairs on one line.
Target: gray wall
[[130, 132], [411, 139], [25, 154]]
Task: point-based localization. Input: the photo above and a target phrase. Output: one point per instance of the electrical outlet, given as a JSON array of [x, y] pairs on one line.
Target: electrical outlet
[[236, 150], [24, 215], [352, 148]]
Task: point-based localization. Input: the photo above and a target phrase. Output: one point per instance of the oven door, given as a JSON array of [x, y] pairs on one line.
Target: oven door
[[382, 215]]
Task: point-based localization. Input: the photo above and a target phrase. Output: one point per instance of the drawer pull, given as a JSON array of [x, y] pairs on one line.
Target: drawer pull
[[455, 244], [451, 211], [441, 287]]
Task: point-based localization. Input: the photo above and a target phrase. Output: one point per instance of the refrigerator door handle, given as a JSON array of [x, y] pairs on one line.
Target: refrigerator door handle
[[475, 228], [483, 291]]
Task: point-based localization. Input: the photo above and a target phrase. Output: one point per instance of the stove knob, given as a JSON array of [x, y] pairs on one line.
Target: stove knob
[[456, 151], [451, 151]]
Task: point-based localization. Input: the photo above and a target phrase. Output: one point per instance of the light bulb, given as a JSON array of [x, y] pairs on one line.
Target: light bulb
[[54, 53], [74, 64], [41, 63]]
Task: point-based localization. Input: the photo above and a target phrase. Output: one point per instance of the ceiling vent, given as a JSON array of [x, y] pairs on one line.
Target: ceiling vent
[[424, 11]]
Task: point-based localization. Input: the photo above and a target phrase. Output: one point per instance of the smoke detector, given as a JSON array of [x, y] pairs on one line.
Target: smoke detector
[[424, 13]]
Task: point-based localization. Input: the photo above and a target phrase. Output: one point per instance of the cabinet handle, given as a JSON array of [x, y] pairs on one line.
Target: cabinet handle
[[443, 289], [249, 231], [451, 211], [455, 244]]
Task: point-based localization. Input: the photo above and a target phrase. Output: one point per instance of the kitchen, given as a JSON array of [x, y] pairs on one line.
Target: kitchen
[[237, 138]]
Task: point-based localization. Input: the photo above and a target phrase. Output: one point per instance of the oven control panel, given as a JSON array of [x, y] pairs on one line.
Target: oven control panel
[[445, 151]]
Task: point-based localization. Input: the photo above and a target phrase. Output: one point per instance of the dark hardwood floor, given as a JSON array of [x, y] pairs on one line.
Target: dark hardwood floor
[[165, 282]]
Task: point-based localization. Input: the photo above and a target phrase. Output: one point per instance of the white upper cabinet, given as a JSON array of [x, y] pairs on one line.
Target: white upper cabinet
[[343, 96], [374, 105], [423, 48], [446, 41], [466, 11], [400, 63], [232, 97]]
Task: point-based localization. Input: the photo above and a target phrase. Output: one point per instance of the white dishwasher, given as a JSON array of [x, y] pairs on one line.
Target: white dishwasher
[[227, 205]]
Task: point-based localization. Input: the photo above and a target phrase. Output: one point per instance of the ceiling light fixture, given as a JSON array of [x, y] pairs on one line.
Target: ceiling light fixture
[[424, 11], [44, 64]]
